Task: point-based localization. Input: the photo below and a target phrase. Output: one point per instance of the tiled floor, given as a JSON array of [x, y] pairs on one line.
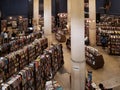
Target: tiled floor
[[109, 75]]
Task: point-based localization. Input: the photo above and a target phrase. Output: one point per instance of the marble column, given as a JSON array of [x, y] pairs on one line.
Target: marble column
[[0, 21], [69, 14], [77, 45], [92, 23], [30, 13], [36, 13], [47, 20]]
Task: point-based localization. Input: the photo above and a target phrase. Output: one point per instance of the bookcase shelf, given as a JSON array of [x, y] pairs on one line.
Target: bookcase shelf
[[114, 44], [19, 43], [35, 75], [93, 57]]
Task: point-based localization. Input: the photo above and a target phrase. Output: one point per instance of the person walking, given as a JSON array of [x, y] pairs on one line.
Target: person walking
[[104, 41], [5, 37]]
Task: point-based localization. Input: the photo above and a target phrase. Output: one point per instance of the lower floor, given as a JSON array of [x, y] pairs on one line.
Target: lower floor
[[109, 75]]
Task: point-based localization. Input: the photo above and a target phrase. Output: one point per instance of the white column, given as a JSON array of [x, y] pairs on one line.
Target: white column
[[69, 13], [92, 23], [47, 20], [77, 45], [36, 13]]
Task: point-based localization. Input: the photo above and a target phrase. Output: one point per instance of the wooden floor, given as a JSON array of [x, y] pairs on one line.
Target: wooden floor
[[109, 75]]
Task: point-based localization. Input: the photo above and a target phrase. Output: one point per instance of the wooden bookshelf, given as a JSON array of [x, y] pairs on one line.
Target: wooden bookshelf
[[93, 57]]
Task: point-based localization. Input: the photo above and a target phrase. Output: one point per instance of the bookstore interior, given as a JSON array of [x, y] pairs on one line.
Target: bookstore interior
[[73, 49]]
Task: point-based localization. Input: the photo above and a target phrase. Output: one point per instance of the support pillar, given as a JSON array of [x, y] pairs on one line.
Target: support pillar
[[30, 13], [92, 23], [0, 20], [69, 14], [77, 45], [47, 20], [36, 13]]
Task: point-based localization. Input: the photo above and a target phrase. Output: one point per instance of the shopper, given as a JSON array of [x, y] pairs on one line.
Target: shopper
[[57, 21], [101, 86], [13, 34], [2, 37], [104, 41], [5, 36], [86, 40]]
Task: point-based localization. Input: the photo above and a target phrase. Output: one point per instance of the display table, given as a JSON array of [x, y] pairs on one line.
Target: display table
[[60, 36]]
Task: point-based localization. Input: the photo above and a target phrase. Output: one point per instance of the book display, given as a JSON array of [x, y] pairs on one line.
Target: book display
[[22, 57], [62, 20], [4, 49], [93, 57], [3, 25], [27, 77], [38, 48], [35, 75], [44, 43], [14, 83], [60, 36], [112, 34], [12, 22], [112, 20], [109, 24], [49, 63], [99, 32], [31, 53], [3, 69], [18, 23], [39, 74], [114, 44], [53, 85], [20, 42], [15, 61], [57, 59], [22, 23], [13, 64]]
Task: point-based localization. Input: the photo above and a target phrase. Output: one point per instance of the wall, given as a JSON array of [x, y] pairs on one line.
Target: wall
[[20, 7], [62, 6], [14, 7]]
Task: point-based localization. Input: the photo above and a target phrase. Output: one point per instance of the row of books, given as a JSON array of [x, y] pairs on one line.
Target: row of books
[[114, 45], [15, 61], [35, 75], [15, 22], [18, 43]]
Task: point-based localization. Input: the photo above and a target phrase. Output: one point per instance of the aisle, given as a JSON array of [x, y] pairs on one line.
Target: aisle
[[109, 73], [63, 76]]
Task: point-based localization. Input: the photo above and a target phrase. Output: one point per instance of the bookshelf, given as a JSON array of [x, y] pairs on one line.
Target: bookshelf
[[93, 57]]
